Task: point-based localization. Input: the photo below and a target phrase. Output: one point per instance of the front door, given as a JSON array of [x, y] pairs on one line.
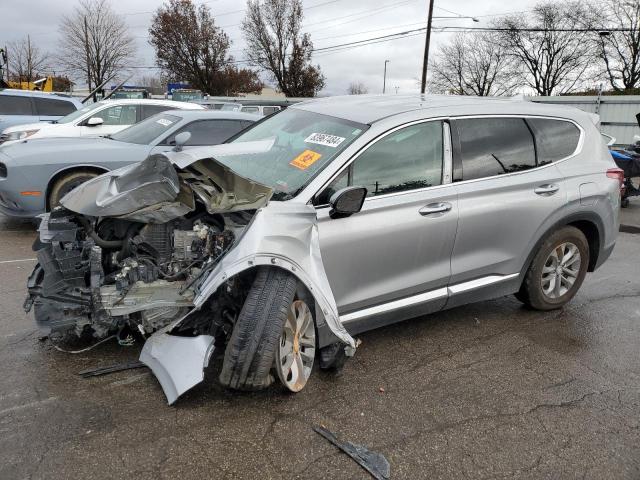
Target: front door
[[394, 255]]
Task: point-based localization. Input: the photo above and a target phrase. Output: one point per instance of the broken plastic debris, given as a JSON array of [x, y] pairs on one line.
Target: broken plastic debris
[[374, 463]]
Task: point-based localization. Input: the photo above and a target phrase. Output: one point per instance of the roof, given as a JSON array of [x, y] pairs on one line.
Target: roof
[[154, 101], [371, 108], [211, 114]]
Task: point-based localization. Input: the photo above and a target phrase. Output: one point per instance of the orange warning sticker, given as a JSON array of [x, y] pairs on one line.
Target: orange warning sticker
[[305, 159]]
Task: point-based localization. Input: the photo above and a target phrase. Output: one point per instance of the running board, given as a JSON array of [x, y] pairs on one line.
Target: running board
[[426, 297]]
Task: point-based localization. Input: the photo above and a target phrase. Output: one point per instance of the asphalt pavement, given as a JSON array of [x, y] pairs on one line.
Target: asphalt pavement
[[489, 390]]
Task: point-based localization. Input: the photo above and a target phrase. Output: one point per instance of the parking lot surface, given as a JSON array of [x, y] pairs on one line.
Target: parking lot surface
[[489, 390]]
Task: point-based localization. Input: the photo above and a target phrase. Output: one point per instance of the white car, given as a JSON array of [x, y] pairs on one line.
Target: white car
[[98, 119]]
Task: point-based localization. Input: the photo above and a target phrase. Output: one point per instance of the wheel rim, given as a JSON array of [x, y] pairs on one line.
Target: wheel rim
[[297, 347], [561, 270]]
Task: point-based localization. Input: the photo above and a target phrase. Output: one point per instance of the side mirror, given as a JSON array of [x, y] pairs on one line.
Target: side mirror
[[347, 201], [94, 122], [180, 139]]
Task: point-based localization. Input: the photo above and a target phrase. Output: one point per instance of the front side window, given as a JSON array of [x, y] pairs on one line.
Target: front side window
[[119, 115], [208, 132], [269, 110], [73, 116], [494, 146], [250, 109], [144, 132], [407, 159], [54, 107], [15, 105], [555, 139]]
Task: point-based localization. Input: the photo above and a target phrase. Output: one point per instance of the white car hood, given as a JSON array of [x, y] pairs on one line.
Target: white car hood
[[28, 126]]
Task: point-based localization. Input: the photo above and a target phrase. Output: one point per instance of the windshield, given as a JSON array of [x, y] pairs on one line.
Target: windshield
[[303, 144], [79, 113], [147, 130]]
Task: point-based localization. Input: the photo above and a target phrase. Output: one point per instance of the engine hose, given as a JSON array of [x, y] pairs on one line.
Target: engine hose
[[99, 241]]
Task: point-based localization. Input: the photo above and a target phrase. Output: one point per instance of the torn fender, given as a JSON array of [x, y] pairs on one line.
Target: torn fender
[[283, 235]]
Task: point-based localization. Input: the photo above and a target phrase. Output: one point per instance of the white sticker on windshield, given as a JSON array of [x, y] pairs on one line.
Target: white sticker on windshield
[[324, 139], [164, 122]]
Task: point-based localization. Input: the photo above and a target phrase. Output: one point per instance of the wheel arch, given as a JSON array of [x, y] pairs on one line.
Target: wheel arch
[[67, 170], [588, 223]]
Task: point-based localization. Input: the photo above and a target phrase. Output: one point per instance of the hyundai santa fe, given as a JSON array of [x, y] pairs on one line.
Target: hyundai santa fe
[[332, 217]]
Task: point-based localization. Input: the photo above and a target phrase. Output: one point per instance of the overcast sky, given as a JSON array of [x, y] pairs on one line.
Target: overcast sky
[[328, 22]]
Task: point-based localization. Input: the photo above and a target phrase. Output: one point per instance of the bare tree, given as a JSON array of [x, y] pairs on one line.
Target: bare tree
[[189, 46], [26, 60], [96, 43], [275, 43], [357, 88], [473, 64], [619, 51], [551, 55]]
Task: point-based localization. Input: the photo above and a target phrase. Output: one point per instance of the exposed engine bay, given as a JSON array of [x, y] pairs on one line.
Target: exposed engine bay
[[97, 276], [167, 249]]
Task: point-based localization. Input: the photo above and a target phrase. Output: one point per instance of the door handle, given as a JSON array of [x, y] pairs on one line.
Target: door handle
[[430, 209], [548, 189]]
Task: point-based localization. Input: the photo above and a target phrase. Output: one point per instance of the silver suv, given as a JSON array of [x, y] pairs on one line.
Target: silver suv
[[330, 218]]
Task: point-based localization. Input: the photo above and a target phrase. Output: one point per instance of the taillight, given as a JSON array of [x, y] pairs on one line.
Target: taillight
[[617, 174]]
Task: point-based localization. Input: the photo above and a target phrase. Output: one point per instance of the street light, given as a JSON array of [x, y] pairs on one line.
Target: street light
[[384, 78]]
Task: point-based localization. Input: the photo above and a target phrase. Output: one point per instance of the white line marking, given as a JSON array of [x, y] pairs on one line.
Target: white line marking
[[21, 260]]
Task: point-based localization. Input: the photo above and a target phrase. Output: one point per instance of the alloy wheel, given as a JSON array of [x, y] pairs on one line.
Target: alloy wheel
[[561, 269], [297, 346]]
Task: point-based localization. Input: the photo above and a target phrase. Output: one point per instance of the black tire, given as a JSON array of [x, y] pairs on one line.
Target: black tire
[[531, 292], [66, 183], [624, 203], [251, 350]]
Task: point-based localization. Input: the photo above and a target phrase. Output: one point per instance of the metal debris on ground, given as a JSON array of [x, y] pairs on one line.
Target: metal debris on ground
[[372, 462], [118, 367]]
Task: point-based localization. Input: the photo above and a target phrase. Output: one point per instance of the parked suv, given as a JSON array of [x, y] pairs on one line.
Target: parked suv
[[98, 119], [330, 218], [24, 106]]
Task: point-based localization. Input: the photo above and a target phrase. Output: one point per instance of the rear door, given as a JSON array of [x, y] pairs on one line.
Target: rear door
[[505, 194], [52, 108], [393, 256]]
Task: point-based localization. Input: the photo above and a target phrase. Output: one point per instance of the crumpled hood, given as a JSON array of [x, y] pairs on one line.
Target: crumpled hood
[[157, 189]]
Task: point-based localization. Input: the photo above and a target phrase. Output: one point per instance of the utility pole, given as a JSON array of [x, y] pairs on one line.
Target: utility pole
[[86, 50], [425, 62], [384, 78]]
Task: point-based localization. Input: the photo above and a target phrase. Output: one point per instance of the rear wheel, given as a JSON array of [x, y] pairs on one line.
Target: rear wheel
[[557, 271], [65, 184]]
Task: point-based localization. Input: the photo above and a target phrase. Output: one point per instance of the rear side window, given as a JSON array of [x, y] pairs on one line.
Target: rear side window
[[555, 139], [494, 146], [208, 132], [270, 110], [149, 110], [15, 105], [53, 107], [250, 109]]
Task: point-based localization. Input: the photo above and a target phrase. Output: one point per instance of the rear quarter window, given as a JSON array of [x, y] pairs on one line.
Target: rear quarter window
[[53, 107], [555, 139]]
